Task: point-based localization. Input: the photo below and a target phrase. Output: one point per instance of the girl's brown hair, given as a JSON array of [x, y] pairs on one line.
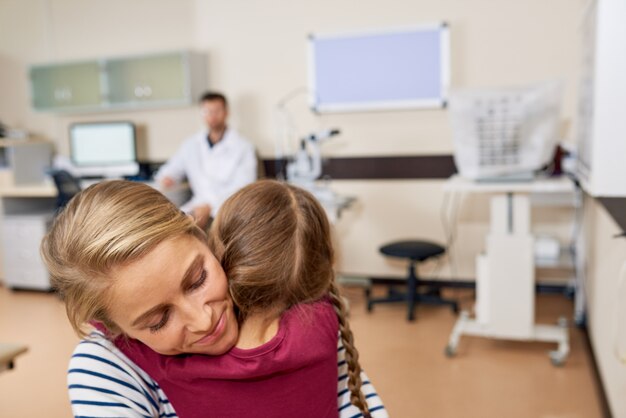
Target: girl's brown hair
[[274, 243], [105, 226]]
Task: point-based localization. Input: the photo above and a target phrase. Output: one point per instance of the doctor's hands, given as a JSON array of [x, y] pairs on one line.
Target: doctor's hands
[[202, 215], [167, 182]]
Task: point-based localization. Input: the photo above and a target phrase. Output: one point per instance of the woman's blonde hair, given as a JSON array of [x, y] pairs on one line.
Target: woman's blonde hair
[[274, 243], [105, 226]]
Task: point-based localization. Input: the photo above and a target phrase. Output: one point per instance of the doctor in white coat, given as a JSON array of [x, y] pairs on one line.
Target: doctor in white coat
[[216, 161]]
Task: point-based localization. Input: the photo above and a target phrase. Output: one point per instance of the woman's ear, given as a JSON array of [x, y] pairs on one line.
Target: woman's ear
[[110, 330]]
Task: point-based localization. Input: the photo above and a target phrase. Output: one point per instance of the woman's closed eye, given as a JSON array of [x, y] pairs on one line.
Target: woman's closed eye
[[162, 322], [198, 283], [166, 314]]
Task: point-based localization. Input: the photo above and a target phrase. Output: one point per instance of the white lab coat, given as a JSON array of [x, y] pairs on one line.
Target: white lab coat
[[214, 173]]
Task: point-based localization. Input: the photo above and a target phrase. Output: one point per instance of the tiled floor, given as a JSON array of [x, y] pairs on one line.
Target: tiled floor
[[405, 361]]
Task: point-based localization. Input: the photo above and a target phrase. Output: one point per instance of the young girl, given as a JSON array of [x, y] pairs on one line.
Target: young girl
[[120, 254]]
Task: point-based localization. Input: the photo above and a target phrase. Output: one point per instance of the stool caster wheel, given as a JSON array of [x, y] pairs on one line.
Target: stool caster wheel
[[450, 351]]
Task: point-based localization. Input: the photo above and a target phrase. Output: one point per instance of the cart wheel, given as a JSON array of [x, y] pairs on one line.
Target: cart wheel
[[557, 362], [450, 351], [580, 320], [557, 359]]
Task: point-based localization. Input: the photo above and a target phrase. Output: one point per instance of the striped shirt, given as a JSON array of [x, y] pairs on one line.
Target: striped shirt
[[104, 383]]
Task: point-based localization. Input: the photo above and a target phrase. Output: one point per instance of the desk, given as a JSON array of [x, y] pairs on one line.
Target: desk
[[178, 193], [8, 353], [505, 275], [27, 213], [335, 206], [332, 203], [44, 190], [49, 190]]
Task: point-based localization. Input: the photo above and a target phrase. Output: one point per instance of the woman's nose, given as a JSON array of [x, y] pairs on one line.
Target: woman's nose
[[199, 317]]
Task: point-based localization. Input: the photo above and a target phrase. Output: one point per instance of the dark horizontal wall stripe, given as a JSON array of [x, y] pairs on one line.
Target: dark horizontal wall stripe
[[616, 206], [378, 168]]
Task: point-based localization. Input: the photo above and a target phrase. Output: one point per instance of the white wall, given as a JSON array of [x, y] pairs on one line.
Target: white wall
[[257, 54], [606, 310], [259, 60]]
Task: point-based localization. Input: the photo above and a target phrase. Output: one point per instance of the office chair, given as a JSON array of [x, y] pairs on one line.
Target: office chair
[[415, 252], [67, 186]]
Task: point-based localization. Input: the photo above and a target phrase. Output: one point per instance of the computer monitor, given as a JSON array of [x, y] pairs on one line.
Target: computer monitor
[[103, 149]]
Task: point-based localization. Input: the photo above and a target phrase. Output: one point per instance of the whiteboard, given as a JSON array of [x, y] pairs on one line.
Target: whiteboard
[[392, 69]]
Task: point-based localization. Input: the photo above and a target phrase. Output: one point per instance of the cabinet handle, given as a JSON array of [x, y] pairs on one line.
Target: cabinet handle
[[62, 94], [143, 91]]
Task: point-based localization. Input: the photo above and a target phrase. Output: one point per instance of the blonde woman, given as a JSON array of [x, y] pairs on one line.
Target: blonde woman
[[124, 257]]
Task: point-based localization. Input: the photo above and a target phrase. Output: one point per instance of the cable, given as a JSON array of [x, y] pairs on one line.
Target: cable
[[285, 128], [448, 214], [450, 220], [291, 95]]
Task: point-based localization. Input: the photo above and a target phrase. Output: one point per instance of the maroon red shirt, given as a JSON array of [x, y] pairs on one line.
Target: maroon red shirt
[[292, 375]]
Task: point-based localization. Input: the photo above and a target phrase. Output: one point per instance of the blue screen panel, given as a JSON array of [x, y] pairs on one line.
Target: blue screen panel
[[386, 70]]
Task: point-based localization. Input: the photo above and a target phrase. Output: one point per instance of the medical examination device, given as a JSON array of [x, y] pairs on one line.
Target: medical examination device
[[306, 164], [502, 137], [506, 133]]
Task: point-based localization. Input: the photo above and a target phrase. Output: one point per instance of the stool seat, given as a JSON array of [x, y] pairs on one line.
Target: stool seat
[[415, 251], [412, 249]]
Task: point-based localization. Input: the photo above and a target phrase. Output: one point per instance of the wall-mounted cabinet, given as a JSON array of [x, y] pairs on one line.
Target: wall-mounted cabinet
[[66, 86], [168, 79]]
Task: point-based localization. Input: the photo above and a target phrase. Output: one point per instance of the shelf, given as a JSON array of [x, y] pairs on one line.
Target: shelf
[[565, 260]]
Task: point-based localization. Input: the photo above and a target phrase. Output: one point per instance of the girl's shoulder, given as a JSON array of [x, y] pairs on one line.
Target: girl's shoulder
[[321, 308], [317, 317]]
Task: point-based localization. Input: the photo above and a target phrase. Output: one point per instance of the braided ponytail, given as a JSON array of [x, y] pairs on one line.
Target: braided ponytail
[[357, 398]]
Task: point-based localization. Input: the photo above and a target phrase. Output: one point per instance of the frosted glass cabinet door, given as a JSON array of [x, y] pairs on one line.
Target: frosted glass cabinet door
[[66, 86], [157, 79]]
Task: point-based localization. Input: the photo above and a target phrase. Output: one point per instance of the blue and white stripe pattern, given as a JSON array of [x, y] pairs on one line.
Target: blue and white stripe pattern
[[104, 383], [346, 409]]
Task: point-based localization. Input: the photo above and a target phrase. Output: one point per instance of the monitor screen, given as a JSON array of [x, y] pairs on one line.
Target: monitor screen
[[102, 143]]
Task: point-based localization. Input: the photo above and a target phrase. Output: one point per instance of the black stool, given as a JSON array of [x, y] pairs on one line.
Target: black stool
[[415, 252]]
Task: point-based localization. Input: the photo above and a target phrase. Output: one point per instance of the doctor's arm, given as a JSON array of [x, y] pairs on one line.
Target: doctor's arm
[[173, 170]]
